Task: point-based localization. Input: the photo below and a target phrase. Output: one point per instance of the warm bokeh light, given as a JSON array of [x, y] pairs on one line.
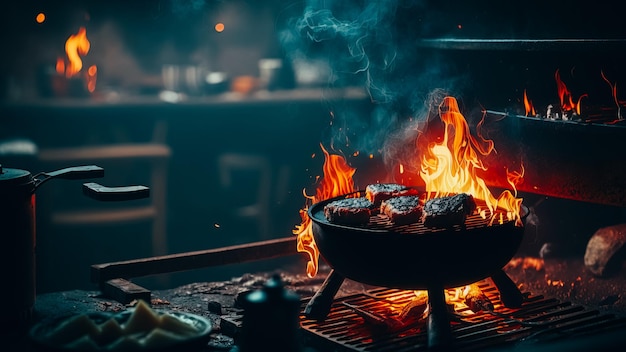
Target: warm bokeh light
[[219, 27], [40, 17], [92, 72]]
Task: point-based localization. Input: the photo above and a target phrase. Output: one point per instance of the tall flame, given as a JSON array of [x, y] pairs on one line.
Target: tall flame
[[565, 96], [451, 166], [75, 46], [336, 181], [614, 94], [528, 105], [448, 167]]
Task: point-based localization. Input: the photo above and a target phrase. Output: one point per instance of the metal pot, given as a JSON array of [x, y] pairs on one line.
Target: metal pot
[[17, 228], [415, 257]]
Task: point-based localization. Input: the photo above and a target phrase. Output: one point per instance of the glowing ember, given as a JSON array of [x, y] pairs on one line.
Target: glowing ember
[[336, 181], [451, 166], [526, 263]]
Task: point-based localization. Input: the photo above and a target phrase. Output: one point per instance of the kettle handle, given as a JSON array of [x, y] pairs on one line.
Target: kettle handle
[[70, 173], [103, 193]]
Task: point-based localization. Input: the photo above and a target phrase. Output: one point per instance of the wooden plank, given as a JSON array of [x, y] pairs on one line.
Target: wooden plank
[[248, 252], [125, 291]]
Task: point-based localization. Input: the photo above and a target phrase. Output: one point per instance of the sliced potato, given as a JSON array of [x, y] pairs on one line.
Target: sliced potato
[[173, 324], [124, 343], [72, 329], [142, 319], [160, 338], [84, 343], [110, 331]]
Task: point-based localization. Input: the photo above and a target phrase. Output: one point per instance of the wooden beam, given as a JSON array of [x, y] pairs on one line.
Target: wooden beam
[[248, 252]]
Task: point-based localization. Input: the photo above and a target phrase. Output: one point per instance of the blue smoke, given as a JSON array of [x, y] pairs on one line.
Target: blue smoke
[[366, 45]]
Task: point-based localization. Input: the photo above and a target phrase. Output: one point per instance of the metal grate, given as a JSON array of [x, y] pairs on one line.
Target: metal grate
[[380, 222], [538, 319], [473, 221]]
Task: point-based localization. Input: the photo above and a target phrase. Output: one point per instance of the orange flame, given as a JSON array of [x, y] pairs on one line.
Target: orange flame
[[75, 46], [448, 167], [565, 96], [60, 66], [336, 181], [451, 166], [614, 94], [528, 105]]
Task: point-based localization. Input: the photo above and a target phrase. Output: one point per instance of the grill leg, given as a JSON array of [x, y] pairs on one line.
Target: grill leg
[[439, 331], [320, 304], [510, 295]]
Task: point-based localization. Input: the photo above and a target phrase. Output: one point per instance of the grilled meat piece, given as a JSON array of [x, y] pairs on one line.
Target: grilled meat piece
[[377, 192], [402, 210], [349, 211], [448, 211]]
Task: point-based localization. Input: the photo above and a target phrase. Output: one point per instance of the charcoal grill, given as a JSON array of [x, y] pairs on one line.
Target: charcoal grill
[[415, 257]]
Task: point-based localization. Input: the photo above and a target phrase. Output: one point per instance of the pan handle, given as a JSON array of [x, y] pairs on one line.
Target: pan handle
[[70, 173], [103, 193]]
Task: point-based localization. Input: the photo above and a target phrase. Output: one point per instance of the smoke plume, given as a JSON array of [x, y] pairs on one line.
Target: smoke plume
[[370, 44]]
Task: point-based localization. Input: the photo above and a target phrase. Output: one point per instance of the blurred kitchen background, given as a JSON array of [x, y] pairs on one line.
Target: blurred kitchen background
[[194, 98]]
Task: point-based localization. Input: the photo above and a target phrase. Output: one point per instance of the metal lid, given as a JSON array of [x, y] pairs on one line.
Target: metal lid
[[10, 178]]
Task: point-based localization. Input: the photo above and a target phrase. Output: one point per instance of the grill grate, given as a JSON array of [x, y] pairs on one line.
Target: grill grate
[[473, 221], [481, 217], [539, 319]]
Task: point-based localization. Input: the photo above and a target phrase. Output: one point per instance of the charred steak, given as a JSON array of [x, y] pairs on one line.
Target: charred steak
[[349, 211], [377, 192], [402, 210], [448, 211]]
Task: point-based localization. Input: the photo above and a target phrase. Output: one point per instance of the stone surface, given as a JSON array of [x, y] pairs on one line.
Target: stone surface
[[602, 256]]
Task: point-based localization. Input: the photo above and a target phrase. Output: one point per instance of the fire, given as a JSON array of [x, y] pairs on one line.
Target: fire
[[464, 300], [614, 94], [452, 165], [565, 96], [77, 45], [448, 167], [336, 181], [528, 105]]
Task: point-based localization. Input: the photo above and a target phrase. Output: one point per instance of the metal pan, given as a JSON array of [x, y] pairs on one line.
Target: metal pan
[[414, 256]]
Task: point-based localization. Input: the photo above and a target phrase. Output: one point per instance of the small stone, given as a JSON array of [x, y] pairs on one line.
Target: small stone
[[604, 250], [214, 307]]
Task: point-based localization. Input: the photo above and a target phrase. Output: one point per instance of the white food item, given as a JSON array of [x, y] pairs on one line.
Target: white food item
[[124, 343], [72, 329], [173, 324], [84, 343], [143, 319], [160, 338], [110, 331], [143, 330]]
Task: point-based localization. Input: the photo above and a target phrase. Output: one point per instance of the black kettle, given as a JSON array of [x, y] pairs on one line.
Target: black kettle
[[18, 232]]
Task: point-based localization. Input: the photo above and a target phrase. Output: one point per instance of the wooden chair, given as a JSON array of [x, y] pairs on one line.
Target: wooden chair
[[118, 159]]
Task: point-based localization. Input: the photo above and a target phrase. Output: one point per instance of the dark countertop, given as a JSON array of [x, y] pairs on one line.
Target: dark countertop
[[566, 280], [123, 100]]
